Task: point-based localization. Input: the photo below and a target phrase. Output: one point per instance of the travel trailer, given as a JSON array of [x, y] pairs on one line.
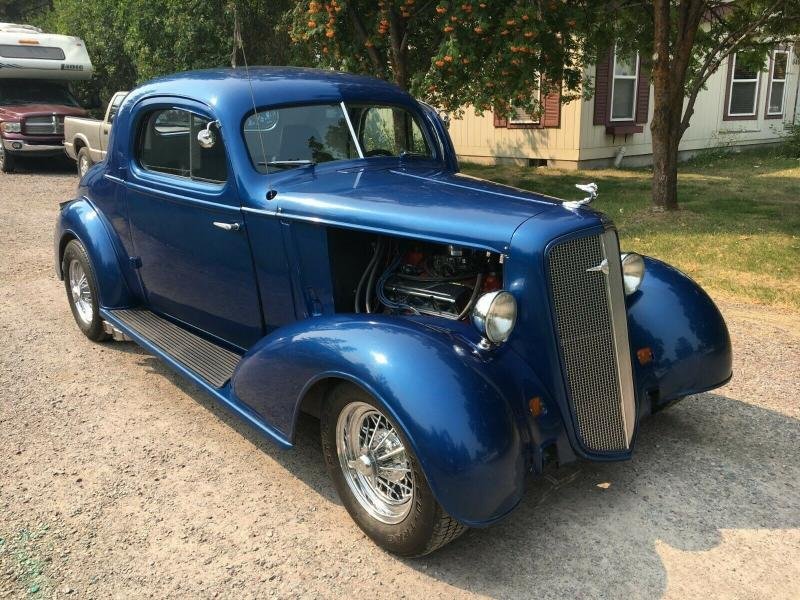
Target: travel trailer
[[35, 71]]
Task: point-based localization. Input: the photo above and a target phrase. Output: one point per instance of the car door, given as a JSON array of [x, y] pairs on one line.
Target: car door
[[186, 225]]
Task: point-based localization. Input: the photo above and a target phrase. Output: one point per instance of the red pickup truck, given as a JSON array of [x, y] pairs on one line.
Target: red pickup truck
[[32, 119]]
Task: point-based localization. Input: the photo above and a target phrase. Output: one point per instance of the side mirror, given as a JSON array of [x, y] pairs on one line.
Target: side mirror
[[207, 138]]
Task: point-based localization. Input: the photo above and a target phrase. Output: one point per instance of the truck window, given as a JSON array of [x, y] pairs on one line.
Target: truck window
[[116, 101], [168, 144]]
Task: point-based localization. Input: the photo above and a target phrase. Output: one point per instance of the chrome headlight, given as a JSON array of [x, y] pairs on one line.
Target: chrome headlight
[[11, 127], [494, 315], [632, 272]]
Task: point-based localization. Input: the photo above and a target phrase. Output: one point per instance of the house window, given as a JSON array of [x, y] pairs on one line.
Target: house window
[[743, 88], [777, 83], [623, 87], [525, 119]]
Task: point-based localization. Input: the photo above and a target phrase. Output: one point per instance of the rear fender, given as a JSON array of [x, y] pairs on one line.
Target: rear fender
[[79, 219], [685, 332], [432, 384]]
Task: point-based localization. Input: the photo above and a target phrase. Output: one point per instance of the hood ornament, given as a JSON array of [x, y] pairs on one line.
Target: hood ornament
[[589, 188]]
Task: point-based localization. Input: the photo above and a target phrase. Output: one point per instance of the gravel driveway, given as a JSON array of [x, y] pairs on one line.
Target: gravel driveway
[[118, 479]]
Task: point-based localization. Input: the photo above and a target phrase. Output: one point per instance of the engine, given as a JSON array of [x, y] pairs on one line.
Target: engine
[[428, 279]]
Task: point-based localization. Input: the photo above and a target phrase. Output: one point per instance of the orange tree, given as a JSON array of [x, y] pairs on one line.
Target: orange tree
[[485, 53]]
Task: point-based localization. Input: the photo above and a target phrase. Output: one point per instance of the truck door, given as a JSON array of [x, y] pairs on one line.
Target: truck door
[[105, 126]]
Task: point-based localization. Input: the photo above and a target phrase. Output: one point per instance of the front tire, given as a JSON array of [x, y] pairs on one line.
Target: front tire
[[7, 161], [81, 286], [378, 477], [84, 161]]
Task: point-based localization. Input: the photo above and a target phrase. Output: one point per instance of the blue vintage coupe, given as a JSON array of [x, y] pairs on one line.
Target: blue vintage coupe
[[301, 240]]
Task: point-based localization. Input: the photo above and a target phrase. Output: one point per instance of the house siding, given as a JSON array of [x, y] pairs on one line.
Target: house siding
[[578, 141]]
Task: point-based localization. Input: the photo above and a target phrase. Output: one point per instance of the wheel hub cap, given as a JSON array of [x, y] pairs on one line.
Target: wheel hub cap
[[374, 462], [80, 292]]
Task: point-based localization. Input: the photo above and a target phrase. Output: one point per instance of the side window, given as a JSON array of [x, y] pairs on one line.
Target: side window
[[390, 131], [168, 144]]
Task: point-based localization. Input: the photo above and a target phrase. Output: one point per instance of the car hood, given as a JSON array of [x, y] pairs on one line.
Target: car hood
[[427, 203], [20, 111]]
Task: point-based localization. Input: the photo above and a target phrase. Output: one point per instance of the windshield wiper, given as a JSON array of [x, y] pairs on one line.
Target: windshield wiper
[[409, 154], [287, 163]]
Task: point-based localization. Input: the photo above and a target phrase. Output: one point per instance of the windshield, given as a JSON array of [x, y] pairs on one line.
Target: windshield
[[287, 138], [14, 92]]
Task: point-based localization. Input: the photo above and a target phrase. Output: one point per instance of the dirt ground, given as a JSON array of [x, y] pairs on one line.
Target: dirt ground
[[120, 480]]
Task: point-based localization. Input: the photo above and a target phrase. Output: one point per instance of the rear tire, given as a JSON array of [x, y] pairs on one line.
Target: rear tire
[[84, 161], [7, 161], [81, 286], [388, 498]]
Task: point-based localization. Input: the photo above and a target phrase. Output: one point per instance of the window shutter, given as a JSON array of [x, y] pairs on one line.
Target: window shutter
[[500, 121], [551, 109], [643, 93], [602, 89]]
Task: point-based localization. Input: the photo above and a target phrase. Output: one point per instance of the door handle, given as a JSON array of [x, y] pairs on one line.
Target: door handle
[[228, 226]]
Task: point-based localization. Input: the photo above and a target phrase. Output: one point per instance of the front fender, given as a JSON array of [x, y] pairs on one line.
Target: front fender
[[686, 334], [79, 219], [434, 386]]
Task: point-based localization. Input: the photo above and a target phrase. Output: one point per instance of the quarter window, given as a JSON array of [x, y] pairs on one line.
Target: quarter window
[[623, 87], [388, 131], [743, 87], [777, 82], [168, 144]]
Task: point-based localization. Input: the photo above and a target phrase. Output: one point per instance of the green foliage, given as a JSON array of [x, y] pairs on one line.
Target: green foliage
[[791, 141], [135, 40], [488, 54]]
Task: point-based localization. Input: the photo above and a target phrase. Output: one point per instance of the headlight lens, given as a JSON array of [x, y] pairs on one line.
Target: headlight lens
[[632, 272], [11, 127], [494, 315]]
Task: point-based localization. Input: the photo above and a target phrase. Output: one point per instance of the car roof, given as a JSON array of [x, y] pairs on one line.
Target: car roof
[[231, 87]]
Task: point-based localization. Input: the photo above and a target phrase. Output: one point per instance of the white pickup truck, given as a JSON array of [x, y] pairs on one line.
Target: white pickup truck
[[86, 140]]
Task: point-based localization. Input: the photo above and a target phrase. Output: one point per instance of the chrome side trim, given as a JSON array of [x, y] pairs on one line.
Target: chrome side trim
[[619, 322]]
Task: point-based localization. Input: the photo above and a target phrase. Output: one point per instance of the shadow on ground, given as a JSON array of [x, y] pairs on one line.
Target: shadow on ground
[[54, 165], [708, 464]]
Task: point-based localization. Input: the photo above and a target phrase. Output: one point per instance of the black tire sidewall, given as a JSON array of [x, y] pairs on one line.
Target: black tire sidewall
[[410, 537], [8, 161], [93, 330]]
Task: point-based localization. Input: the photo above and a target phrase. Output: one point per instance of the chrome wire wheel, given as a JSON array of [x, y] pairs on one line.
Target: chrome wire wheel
[[81, 292], [374, 462]]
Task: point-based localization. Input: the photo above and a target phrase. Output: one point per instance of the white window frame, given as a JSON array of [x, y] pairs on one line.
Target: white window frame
[[529, 121], [732, 79], [614, 78], [772, 80]]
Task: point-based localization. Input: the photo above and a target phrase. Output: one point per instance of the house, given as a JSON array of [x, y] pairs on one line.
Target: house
[[739, 107]]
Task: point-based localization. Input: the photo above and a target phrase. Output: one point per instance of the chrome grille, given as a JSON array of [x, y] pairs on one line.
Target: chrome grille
[[44, 125], [593, 338]]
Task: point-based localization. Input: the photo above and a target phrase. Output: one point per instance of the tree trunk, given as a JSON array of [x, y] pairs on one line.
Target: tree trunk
[[665, 171]]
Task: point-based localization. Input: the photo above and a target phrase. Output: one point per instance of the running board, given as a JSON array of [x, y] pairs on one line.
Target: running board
[[210, 362]]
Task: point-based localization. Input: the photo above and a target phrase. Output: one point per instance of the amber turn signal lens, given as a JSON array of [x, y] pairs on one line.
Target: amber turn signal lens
[[645, 355], [536, 406]]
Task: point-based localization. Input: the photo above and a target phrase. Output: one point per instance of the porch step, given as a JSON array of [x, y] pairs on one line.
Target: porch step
[[211, 362]]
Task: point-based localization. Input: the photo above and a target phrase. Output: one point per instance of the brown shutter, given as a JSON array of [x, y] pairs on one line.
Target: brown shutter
[[551, 109], [602, 89], [643, 93], [500, 121]]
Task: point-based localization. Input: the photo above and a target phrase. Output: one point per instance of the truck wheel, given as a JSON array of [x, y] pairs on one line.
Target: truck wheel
[[7, 162], [84, 161], [81, 287], [379, 479]]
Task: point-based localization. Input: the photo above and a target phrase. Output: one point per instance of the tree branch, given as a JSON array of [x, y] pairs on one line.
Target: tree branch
[[358, 24]]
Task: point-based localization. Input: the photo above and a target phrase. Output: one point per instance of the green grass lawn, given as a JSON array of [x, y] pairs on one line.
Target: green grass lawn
[[738, 230]]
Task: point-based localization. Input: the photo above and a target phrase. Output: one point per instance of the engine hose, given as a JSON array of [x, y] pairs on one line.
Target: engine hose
[[475, 291], [371, 280], [382, 282], [364, 275]]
